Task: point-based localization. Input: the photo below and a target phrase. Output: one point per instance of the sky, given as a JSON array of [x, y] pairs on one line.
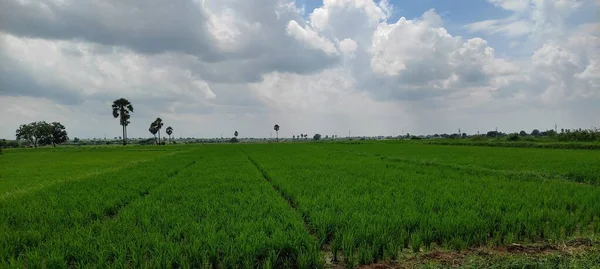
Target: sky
[[212, 67]]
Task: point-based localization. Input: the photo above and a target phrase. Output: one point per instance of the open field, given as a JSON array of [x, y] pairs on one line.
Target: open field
[[300, 205]]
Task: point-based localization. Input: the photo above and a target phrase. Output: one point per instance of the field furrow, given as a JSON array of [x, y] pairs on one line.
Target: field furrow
[[370, 209], [35, 217], [219, 212]]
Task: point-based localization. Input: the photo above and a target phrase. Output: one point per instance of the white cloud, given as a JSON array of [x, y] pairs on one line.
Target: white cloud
[[208, 67], [311, 38], [510, 27]]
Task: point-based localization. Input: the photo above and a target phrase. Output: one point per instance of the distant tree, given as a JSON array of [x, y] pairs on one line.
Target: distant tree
[[464, 135], [513, 137], [76, 140], [326, 136], [523, 133], [317, 137], [293, 137], [492, 134], [121, 109], [55, 134], [236, 133], [153, 131], [34, 133], [276, 128], [169, 131], [535, 132], [155, 127], [3, 143]]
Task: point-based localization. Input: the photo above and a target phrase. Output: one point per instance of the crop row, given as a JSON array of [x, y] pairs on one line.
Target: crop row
[[216, 212], [575, 165], [25, 170], [368, 209]]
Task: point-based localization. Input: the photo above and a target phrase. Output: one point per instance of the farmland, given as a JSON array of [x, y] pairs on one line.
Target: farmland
[[301, 205]]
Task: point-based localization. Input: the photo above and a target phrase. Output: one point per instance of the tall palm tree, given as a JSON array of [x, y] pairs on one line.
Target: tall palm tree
[[236, 133], [169, 131], [276, 128], [121, 109], [157, 125], [153, 131]]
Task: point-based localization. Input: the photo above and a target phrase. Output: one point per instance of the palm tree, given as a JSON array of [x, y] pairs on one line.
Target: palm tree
[[121, 109], [153, 131], [169, 131], [236, 133], [276, 128], [157, 125]]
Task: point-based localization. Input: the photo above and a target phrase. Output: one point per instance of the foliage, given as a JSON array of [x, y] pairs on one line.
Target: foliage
[[169, 131], [235, 133], [121, 108], [233, 140], [513, 137], [317, 137], [580, 135], [276, 128], [42, 133], [155, 127], [56, 134]]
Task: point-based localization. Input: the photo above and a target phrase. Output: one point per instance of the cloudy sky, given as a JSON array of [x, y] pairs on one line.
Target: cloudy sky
[[210, 67]]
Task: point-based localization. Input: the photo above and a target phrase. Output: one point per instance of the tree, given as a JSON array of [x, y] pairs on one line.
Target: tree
[[158, 124], [155, 127], [153, 131], [76, 140], [293, 137], [56, 134], [169, 131], [235, 134], [317, 137], [523, 133], [535, 132], [121, 109], [276, 128], [34, 132]]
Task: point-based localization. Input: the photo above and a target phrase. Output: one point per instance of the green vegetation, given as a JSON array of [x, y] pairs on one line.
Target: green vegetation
[[294, 205]]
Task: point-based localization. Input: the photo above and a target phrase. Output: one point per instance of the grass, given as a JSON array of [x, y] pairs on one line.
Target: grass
[[576, 165], [290, 205]]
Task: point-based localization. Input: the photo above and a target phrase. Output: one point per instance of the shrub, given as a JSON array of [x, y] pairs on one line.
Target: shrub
[[234, 140], [513, 137]]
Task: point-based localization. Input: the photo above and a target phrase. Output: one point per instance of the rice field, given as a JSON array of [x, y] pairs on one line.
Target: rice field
[[292, 205]]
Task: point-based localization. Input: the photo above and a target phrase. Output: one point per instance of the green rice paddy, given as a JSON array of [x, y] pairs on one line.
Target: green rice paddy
[[282, 205]]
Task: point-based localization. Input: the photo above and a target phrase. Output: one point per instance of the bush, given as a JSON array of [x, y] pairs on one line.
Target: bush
[[478, 138], [513, 137], [317, 137], [234, 140]]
